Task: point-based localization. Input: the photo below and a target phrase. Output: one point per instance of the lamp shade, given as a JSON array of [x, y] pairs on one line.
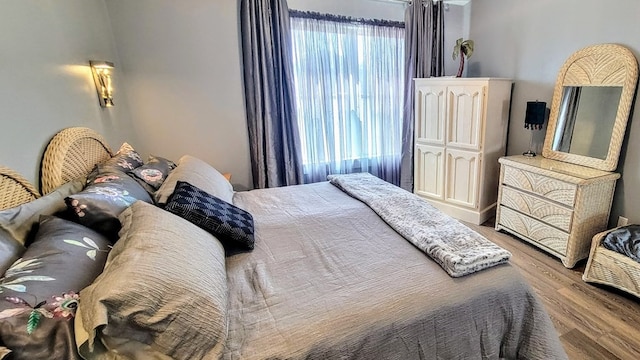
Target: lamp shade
[[534, 117]]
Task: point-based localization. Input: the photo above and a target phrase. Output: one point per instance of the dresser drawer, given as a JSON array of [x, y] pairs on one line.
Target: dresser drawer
[[534, 230], [537, 207], [547, 187]]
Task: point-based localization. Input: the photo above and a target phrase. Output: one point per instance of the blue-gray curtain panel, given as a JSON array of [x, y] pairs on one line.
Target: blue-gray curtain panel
[[424, 57], [268, 86]]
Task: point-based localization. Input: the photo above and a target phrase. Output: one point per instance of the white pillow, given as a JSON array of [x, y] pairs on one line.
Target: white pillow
[[198, 173]]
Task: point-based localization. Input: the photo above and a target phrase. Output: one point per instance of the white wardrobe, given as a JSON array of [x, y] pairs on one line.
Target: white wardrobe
[[460, 132]]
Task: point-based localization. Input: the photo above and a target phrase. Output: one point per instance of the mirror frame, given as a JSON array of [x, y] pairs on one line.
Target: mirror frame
[[597, 65]]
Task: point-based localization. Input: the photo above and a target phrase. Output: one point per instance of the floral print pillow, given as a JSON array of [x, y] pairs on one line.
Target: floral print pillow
[[154, 172], [126, 159], [38, 293], [108, 193]]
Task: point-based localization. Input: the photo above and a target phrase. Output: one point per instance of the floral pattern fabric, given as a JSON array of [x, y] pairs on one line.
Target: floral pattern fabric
[[107, 194], [154, 172], [126, 159], [39, 292]]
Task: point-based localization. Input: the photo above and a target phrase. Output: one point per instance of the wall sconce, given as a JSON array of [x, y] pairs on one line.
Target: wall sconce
[[102, 77]]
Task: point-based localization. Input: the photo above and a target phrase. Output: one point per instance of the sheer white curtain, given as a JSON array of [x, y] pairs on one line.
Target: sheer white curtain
[[348, 78]]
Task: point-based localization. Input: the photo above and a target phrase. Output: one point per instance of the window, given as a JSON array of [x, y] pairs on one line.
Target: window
[[348, 78]]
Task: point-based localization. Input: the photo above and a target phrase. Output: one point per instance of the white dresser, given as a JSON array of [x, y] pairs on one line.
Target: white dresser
[[554, 205], [460, 132]]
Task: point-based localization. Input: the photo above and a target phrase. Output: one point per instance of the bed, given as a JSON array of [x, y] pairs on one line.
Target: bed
[[325, 278]]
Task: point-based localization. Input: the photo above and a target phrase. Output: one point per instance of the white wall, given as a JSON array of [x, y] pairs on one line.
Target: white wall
[[45, 81], [182, 63], [530, 40]]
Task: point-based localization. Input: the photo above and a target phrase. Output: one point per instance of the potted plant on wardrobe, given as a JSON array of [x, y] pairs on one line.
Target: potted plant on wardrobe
[[464, 49]]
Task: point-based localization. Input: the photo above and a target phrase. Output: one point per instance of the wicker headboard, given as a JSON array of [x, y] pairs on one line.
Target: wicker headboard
[[72, 153], [15, 189]]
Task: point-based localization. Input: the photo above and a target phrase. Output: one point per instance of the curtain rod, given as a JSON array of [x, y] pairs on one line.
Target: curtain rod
[[395, 1], [455, 2]]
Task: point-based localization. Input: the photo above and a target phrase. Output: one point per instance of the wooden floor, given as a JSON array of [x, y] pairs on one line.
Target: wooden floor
[[593, 322]]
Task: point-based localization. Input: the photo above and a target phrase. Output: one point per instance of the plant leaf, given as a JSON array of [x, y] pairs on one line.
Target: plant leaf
[[468, 48], [76, 243], [23, 263], [91, 254], [29, 278], [19, 266], [34, 320], [16, 288], [90, 242]]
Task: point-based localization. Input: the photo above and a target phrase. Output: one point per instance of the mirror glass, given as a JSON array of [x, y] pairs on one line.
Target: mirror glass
[[585, 120]]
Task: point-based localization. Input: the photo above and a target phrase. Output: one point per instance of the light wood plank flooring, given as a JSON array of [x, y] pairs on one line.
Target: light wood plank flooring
[[593, 322]]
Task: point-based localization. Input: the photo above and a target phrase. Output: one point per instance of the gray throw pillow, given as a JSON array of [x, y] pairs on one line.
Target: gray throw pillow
[[19, 221], [10, 251], [126, 159], [154, 172], [64, 257], [165, 282], [108, 193], [38, 293], [197, 172]]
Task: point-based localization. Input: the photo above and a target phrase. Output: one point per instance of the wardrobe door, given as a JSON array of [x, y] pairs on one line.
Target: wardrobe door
[[462, 177], [429, 171], [464, 116], [430, 114]]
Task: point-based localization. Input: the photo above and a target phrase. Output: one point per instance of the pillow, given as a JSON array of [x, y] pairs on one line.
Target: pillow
[[154, 172], [126, 159], [109, 192], [164, 286], [230, 224], [19, 220], [38, 294], [198, 173], [10, 251], [64, 256]]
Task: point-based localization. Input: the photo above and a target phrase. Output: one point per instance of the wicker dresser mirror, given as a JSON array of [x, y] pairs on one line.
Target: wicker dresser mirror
[[590, 107], [560, 200]]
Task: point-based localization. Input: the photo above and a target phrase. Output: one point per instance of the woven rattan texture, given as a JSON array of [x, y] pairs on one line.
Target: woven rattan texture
[[597, 65], [72, 153], [15, 189], [611, 268], [553, 205]]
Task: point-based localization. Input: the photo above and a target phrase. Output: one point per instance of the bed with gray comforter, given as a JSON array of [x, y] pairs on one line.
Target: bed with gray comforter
[[328, 279]]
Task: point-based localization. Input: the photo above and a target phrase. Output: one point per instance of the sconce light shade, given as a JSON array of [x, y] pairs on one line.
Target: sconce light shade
[[101, 71]]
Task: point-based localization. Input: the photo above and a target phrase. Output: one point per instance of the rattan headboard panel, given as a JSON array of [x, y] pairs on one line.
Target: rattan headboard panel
[[15, 189], [71, 154]]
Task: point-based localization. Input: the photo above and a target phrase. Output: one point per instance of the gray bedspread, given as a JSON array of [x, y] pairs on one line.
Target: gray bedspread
[[329, 279]]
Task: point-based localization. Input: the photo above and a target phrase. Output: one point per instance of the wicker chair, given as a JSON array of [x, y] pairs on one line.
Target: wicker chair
[[611, 268]]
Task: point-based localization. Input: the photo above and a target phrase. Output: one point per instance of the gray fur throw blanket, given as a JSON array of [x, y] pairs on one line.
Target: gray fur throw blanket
[[455, 247]]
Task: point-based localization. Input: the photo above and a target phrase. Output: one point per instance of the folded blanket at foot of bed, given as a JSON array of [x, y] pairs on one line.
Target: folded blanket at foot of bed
[[455, 247]]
